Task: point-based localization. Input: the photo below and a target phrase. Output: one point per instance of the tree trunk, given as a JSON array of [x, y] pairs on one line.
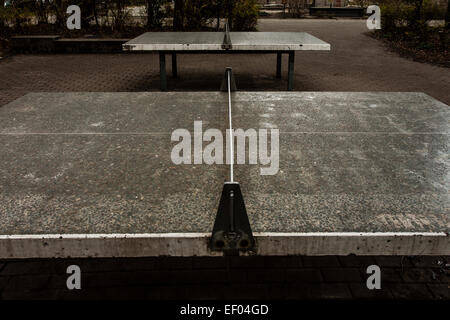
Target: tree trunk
[[417, 12], [150, 14], [447, 16], [119, 19], [86, 11], [218, 15], [41, 11], [230, 13], [94, 8], [178, 15]]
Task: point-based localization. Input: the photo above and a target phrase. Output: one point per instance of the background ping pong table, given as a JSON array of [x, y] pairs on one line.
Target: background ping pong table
[[90, 174], [213, 42]]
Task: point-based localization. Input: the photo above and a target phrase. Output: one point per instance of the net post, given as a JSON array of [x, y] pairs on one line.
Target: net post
[[226, 44], [232, 232], [224, 84]]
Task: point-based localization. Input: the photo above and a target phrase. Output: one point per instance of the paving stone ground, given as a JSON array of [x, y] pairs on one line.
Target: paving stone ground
[[356, 63], [228, 278]]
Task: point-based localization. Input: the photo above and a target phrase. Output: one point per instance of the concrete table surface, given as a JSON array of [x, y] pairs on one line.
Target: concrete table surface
[[212, 41], [90, 174]]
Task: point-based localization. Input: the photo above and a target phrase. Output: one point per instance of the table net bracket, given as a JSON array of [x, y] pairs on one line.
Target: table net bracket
[[226, 44]]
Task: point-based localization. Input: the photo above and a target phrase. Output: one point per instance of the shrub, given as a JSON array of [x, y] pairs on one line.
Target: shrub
[[413, 14], [196, 13], [296, 7], [120, 16], [114, 14], [245, 15], [394, 15], [432, 11]]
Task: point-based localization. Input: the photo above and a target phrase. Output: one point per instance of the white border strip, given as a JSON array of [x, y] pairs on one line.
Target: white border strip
[[103, 236], [206, 234], [196, 244]]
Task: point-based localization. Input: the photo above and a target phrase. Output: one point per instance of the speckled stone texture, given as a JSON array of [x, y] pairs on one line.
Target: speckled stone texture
[[100, 163], [205, 41]]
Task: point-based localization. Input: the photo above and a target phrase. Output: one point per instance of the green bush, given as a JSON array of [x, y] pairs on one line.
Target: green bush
[[113, 15], [395, 15], [413, 14], [245, 15], [296, 7], [432, 11], [198, 14]]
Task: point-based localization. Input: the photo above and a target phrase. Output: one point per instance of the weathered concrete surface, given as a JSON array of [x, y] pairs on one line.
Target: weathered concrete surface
[[296, 41], [352, 166], [186, 41]]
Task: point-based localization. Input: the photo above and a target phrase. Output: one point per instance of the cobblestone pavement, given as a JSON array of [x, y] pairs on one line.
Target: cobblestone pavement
[[327, 277], [356, 63]]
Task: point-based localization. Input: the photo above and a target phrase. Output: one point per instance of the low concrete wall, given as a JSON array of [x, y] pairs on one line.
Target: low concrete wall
[[337, 12], [89, 45], [54, 44], [33, 44]]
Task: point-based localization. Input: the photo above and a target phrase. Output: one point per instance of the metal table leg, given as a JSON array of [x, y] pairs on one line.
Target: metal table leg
[[174, 65], [278, 65], [162, 71], [291, 70]]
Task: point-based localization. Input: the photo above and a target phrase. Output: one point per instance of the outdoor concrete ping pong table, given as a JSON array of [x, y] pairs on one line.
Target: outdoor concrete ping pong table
[[217, 43], [91, 175]]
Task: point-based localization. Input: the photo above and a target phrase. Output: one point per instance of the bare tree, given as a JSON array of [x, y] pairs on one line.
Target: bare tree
[[42, 11], [59, 12], [119, 14]]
